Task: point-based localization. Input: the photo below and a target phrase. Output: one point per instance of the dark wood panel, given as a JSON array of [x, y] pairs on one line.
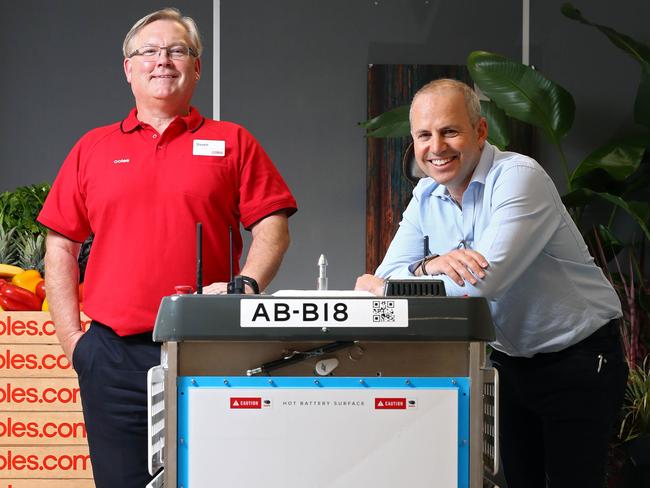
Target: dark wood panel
[[388, 190]]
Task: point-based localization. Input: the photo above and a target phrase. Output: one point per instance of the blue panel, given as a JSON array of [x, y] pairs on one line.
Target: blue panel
[[185, 383]]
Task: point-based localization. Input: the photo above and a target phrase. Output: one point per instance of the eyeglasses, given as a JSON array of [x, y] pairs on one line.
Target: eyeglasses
[[149, 53]]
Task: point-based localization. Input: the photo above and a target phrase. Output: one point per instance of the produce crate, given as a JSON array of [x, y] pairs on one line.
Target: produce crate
[[42, 433]]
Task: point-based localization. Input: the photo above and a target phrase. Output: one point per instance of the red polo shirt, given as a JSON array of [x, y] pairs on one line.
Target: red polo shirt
[[141, 194]]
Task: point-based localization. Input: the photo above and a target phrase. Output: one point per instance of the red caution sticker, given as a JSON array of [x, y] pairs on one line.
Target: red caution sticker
[[245, 402], [390, 403]]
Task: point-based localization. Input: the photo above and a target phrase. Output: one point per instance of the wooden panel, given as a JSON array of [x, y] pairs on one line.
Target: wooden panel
[[30, 328], [34, 360], [39, 394], [388, 190], [42, 428], [53, 462]]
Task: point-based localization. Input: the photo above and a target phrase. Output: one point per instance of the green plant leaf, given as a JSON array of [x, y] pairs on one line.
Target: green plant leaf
[[398, 129], [19, 208], [498, 131], [611, 245], [523, 93], [618, 159], [640, 183], [642, 102], [604, 246], [639, 51], [578, 198], [634, 48], [639, 211], [394, 123], [599, 180]]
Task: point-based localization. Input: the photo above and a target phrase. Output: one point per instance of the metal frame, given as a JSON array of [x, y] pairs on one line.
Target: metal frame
[[430, 358]]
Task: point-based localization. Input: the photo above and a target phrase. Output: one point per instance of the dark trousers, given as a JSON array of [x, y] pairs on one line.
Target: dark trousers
[[113, 386], [558, 411]]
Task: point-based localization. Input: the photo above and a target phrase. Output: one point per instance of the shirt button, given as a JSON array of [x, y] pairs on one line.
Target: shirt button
[[155, 135]]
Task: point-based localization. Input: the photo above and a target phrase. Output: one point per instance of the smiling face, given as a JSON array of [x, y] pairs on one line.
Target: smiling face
[[447, 146], [162, 81]]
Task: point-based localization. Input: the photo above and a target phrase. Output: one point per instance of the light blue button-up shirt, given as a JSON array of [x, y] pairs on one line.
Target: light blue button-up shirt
[[542, 285]]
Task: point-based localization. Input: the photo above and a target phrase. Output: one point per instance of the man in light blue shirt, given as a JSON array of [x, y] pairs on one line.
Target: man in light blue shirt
[[498, 229]]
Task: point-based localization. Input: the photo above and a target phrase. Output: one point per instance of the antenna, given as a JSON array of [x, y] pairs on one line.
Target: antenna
[[199, 258], [232, 259], [237, 284]]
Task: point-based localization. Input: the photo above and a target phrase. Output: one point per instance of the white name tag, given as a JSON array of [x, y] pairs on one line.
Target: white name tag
[[203, 147], [373, 312]]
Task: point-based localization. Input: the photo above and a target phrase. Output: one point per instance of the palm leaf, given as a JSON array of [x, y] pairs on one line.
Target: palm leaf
[[636, 49], [642, 102], [639, 211], [618, 159], [394, 123], [639, 51], [523, 93], [498, 131]]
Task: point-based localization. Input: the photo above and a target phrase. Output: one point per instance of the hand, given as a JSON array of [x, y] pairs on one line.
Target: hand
[[370, 283], [218, 288], [69, 344], [461, 265]]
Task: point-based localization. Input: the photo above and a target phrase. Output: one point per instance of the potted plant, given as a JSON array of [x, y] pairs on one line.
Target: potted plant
[[635, 427]]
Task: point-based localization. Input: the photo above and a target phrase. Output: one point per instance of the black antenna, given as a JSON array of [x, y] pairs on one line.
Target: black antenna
[[426, 247], [199, 258], [232, 259]]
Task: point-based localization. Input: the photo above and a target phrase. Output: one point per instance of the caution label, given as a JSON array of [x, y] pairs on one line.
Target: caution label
[[245, 402], [390, 403]]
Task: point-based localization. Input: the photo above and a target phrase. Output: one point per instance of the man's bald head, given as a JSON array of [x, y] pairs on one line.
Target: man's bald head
[[472, 103]]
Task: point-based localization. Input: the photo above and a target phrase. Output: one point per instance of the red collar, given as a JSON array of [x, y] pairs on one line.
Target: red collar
[[192, 121]]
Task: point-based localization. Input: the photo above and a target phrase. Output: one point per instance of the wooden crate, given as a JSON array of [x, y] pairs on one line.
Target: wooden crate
[[42, 434]]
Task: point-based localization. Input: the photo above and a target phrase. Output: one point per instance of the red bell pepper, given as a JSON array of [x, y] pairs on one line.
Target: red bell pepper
[[40, 289], [14, 298]]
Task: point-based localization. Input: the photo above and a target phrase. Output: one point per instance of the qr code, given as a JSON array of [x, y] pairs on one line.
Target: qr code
[[383, 311]]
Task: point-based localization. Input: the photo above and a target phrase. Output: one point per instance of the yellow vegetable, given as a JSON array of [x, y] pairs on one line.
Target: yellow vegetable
[[27, 279], [45, 307], [9, 270]]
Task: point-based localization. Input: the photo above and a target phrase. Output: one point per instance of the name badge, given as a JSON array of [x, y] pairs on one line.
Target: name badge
[[208, 148]]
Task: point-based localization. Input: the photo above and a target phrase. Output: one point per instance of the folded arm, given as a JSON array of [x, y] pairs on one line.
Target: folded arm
[[525, 213]]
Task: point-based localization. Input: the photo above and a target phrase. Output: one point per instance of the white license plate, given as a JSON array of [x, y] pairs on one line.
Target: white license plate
[[324, 313]]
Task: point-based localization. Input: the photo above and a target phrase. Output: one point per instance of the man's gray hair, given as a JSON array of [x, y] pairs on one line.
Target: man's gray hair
[[165, 14], [472, 103]]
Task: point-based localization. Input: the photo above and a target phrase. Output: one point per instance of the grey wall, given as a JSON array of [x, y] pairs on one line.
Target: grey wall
[[63, 76], [294, 73]]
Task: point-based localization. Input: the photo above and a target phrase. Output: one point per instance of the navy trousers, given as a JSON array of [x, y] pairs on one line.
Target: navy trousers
[[558, 411], [112, 374]]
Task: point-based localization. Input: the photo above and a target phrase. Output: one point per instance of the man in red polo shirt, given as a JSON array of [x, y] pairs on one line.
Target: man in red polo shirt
[[140, 186]]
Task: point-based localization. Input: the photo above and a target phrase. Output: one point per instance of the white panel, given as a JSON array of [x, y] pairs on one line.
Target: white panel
[[334, 438]]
